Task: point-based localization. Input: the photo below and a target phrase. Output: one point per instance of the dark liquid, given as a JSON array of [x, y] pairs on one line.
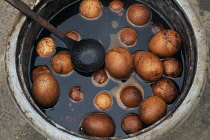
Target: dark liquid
[[68, 113]]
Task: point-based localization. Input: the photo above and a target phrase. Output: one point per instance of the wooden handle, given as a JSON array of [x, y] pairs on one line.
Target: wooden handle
[[26, 10]]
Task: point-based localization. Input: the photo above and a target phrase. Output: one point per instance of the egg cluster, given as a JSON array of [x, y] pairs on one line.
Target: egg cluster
[[156, 66]]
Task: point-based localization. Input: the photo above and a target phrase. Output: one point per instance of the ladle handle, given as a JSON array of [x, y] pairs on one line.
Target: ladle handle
[[26, 10]]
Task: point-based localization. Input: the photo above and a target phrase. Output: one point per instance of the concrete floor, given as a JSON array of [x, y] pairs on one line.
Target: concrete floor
[[14, 126]]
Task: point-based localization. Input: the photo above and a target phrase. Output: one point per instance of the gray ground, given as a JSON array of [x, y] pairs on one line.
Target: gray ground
[[14, 126]]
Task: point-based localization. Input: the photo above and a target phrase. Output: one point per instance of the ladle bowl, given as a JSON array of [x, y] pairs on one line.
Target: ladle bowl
[[90, 57]]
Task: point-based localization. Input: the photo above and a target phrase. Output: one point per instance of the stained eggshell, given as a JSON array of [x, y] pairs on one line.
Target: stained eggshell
[[157, 27], [103, 101], [61, 63], [118, 62], [128, 36], [139, 14], [116, 5], [38, 71], [165, 43], [75, 94], [166, 89], [73, 35], [152, 109], [90, 9], [131, 123], [100, 76], [131, 96], [172, 67], [45, 90], [99, 125], [147, 66], [45, 46]]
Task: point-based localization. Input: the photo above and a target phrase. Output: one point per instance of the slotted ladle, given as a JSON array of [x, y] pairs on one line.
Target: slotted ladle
[[87, 55]]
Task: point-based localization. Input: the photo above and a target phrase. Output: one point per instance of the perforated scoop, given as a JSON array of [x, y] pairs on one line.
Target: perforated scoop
[[87, 55]]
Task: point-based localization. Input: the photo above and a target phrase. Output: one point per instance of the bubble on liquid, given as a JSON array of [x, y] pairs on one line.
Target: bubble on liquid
[[120, 13], [115, 24]]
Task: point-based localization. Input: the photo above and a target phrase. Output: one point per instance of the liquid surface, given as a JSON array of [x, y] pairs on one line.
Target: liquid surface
[[104, 29]]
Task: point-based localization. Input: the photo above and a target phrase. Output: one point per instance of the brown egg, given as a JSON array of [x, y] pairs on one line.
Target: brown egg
[[61, 63], [76, 94], [99, 125], [90, 9], [166, 89], [172, 67], [46, 46], [100, 76], [118, 62], [38, 71], [131, 96], [157, 27], [139, 14], [165, 43], [73, 35], [103, 101], [152, 109], [45, 90], [148, 66], [131, 123], [116, 5], [128, 36]]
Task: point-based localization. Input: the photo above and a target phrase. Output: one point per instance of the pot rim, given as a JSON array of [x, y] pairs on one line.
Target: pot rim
[[177, 118]]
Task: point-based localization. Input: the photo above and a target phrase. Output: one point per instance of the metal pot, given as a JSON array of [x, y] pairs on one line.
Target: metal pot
[[195, 51]]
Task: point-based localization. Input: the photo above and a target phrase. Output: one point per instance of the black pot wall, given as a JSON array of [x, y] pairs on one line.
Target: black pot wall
[[167, 8]]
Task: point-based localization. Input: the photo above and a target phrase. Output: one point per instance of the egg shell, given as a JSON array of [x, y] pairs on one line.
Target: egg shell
[[131, 96], [128, 36], [172, 67], [38, 71], [73, 35], [100, 76], [139, 14], [148, 66], [61, 63], [103, 101], [45, 90], [76, 94], [165, 43], [90, 9], [157, 27], [99, 125], [118, 62], [116, 5], [131, 123], [45, 47], [152, 109], [166, 89]]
